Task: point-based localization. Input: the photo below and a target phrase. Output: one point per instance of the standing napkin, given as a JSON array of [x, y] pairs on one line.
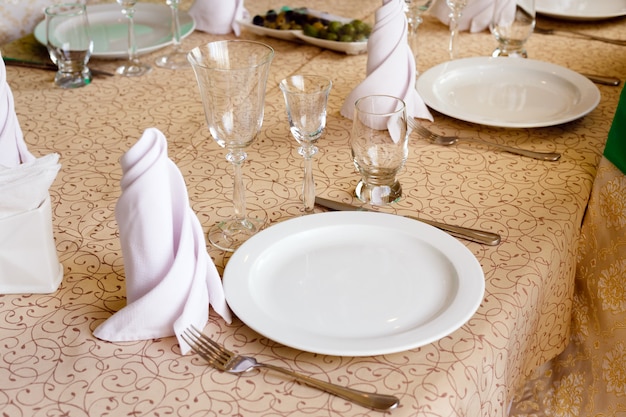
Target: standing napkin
[[170, 277], [476, 15], [218, 17], [390, 63], [13, 150]]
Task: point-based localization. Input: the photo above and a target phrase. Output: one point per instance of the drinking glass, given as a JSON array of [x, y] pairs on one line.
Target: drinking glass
[[176, 58], [414, 10], [231, 76], [379, 144], [132, 68], [512, 24], [456, 11], [69, 44], [305, 98]]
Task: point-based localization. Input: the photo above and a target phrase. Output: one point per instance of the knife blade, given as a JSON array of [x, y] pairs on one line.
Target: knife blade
[[474, 235], [45, 65]]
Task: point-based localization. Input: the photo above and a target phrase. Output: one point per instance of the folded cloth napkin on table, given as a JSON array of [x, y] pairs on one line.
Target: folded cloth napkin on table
[[13, 150], [170, 277], [390, 63], [218, 17], [476, 15]]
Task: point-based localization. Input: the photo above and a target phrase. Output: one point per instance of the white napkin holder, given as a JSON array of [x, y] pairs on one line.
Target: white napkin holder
[[28, 259]]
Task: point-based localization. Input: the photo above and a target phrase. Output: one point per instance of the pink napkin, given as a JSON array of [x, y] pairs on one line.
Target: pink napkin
[[218, 17], [475, 18], [170, 277], [13, 150], [390, 63]]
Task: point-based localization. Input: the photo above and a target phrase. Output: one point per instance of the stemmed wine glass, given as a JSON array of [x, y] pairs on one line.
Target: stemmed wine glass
[[132, 68], [413, 10], [305, 98], [456, 10], [176, 58], [231, 76]]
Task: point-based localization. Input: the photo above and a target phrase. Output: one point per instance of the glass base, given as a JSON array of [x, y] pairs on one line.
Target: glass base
[[378, 195], [228, 235], [133, 69], [513, 53], [175, 60], [73, 79]]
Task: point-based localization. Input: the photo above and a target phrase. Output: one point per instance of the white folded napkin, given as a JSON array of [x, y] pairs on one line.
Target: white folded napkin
[[390, 63], [13, 150], [476, 15], [170, 277], [218, 17]]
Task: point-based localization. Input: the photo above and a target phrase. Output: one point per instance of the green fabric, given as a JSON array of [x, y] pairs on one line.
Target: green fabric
[[615, 150]]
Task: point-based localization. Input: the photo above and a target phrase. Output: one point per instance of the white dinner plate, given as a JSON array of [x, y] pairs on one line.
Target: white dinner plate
[[353, 283], [582, 9], [109, 29], [507, 92]]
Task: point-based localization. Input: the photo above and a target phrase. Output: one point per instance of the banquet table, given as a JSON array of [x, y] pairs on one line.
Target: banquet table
[[52, 365]]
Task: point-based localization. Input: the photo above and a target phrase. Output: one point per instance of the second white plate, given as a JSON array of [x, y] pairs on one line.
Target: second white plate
[[109, 29], [582, 9], [507, 92], [353, 283]]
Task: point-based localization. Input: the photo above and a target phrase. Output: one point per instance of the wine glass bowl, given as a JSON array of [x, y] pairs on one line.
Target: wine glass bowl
[[133, 67], [512, 24], [231, 77], [176, 58], [379, 145], [306, 97]]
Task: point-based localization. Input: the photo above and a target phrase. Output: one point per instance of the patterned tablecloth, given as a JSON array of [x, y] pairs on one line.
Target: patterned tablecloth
[[51, 364]]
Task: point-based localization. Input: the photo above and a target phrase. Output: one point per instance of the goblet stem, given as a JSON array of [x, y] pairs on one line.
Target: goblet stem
[[236, 158], [133, 68], [308, 184], [455, 17], [176, 58], [175, 25]]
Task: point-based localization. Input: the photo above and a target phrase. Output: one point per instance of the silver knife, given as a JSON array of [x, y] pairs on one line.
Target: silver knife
[[479, 236], [46, 66]]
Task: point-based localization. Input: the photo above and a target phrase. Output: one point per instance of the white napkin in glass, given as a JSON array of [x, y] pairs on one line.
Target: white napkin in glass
[[13, 150], [218, 17], [390, 63], [170, 277], [476, 15]]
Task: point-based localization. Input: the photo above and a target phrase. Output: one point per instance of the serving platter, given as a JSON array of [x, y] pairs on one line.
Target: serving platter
[[584, 10], [507, 92], [353, 283], [109, 29]]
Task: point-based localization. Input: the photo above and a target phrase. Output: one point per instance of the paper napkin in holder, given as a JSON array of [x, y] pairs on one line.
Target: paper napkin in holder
[[218, 17], [170, 277], [390, 63]]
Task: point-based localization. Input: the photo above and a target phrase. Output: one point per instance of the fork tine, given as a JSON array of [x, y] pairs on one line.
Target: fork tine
[[212, 352], [206, 342]]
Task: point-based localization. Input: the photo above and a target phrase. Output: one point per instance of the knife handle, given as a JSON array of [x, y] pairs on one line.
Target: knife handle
[[475, 235]]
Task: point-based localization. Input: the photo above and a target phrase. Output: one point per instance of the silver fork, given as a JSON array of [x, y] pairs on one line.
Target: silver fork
[[451, 140], [550, 31], [224, 360]]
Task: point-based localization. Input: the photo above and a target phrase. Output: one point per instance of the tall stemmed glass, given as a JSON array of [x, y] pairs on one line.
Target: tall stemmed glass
[[176, 58], [132, 68], [414, 10], [306, 97], [231, 77], [456, 11]]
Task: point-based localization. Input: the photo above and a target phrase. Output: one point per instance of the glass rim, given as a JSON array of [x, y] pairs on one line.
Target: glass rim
[[196, 52], [401, 108], [323, 88], [66, 9]]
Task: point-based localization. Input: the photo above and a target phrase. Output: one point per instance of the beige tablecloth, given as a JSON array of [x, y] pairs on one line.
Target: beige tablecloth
[[51, 364]]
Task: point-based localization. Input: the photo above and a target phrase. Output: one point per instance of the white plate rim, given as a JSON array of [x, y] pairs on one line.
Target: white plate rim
[[349, 48], [466, 301], [187, 24], [590, 94], [544, 7]]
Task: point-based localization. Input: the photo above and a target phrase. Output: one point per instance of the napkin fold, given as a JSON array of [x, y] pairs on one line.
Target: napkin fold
[[218, 17], [170, 277], [476, 15], [390, 63], [13, 150]]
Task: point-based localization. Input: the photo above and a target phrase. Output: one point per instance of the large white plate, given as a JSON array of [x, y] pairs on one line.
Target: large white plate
[[507, 92], [353, 283], [109, 29], [582, 9]]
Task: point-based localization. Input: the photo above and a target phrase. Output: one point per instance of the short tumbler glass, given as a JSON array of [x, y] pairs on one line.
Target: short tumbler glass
[[69, 43], [512, 24], [379, 144]]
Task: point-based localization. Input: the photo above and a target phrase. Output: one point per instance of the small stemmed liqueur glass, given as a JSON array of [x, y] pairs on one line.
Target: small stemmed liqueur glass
[[231, 77], [306, 97], [133, 67], [176, 57], [512, 24], [456, 11]]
